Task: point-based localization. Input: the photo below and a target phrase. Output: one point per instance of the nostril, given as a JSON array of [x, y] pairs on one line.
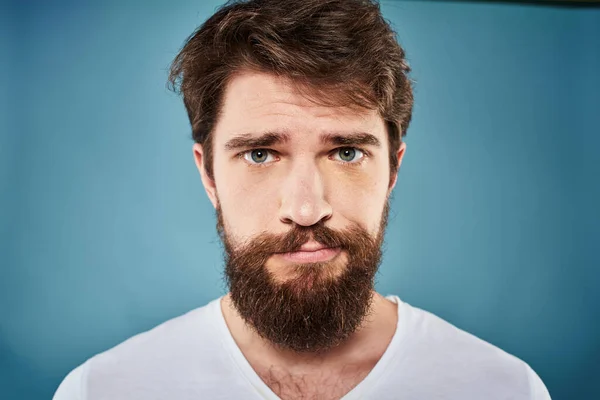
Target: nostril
[[326, 217], [286, 220]]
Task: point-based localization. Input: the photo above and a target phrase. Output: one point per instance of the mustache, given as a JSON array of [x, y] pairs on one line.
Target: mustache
[[266, 244]]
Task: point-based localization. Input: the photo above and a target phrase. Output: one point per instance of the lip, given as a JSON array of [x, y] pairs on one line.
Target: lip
[[316, 254], [312, 246]]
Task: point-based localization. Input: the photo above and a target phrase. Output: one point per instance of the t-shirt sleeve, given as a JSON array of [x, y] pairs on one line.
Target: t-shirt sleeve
[[72, 387], [537, 389]]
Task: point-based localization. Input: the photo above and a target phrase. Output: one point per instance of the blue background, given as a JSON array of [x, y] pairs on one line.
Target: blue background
[[106, 231]]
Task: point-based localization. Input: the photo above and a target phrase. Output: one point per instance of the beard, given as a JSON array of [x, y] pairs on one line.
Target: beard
[[314, 309]]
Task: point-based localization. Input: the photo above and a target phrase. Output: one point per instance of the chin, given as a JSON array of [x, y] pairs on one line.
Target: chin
[[306, 276]]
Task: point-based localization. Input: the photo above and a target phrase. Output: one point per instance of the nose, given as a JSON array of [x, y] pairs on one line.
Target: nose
[[303, 196]]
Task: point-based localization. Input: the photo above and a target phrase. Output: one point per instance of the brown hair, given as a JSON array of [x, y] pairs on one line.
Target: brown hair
[[338, 52]]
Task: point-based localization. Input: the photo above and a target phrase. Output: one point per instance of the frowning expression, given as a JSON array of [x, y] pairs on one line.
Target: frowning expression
[[280, 159]]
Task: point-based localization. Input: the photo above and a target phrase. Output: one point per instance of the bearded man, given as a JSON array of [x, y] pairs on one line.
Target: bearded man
[[298, 109]]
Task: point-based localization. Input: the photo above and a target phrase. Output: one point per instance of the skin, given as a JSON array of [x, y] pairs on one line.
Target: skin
[[304, 180]]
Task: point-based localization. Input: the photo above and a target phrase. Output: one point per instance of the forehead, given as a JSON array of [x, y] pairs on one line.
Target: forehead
[[255, 101]]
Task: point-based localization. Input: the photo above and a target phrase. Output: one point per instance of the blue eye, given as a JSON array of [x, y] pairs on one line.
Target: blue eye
[[258, 156], [349, 154]]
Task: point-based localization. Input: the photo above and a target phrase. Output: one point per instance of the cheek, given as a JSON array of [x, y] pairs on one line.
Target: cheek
[[248, 205], [359, 197]]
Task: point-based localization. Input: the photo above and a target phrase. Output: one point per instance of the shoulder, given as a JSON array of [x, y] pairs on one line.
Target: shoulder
[[145, 356], [461, 361], [71, 387], [426, 330], [171, 339]]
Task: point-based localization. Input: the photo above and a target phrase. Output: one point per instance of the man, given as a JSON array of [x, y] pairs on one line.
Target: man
[[297, 110]]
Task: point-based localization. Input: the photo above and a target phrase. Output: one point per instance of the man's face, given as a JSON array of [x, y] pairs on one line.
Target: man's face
[[301, 195]]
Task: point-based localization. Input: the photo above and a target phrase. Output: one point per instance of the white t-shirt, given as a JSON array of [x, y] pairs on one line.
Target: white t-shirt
[[195, 357]]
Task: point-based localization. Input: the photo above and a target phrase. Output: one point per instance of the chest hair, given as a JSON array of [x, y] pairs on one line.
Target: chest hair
[[321, 384]]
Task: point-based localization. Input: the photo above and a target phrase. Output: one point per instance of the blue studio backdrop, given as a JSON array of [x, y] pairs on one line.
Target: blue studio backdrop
[[106, 230]]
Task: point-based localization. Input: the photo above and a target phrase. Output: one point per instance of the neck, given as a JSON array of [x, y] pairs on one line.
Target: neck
[[365, 345]]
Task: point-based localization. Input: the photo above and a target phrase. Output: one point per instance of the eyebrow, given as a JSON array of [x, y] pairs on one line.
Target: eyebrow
[[267, 139], [248, 140], [352, 139]]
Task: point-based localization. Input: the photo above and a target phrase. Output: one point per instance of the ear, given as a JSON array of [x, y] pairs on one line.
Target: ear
[[209, 184], [400, 155]]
